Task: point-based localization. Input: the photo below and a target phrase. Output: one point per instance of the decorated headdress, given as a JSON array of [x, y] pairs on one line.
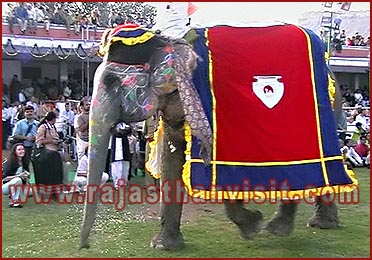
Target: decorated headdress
[[129, 34]]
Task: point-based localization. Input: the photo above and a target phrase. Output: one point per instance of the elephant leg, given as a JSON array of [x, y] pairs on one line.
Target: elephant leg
[[103, 114], [282, 223], [248, 222], [170, 236], [325, 214]]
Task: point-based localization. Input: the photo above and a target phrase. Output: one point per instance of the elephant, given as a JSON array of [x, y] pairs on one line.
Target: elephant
[[144, 73]]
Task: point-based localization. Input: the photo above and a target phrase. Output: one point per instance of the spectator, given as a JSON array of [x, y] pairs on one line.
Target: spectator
[[120, 157], [53, 90], [80, 180], [363, 118], [5, 92], [13, 114], [43, 109], [28, 92], [61, 17], [6, 127], [115, 19], [69, 115], [15, 87], [349, 97], [94, 19], [352, 156], [21, 15], [20, 114], [358, 96], [82, 128], [365, 102], [362, 148], [47, 136], [42, 16], [11, 18], [343, 37], [15, 173], [60, 124], [26, 130], [132, 150], [66, 89], [34, 102], [342, 126], [83, 22], [31, 10], [358, 132]]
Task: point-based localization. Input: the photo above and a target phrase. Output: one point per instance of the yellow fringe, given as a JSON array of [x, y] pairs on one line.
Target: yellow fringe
[[331, 90], [214, 194], [154, 149]]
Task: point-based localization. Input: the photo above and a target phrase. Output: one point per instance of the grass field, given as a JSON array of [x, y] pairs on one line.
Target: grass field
[[52, 230]]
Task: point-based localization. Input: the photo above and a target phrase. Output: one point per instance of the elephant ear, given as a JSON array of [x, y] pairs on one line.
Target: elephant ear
[[184, 64]]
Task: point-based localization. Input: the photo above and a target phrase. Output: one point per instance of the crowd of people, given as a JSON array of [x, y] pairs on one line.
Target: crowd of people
[[49, 89], [354, 128], [77, 17], [62, 128], [340, 38]]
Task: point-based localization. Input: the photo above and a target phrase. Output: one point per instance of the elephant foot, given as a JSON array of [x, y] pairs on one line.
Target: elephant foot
[[168, 243], [325, 215], [282, 223], [280, 226], [84, 246], [252, 227], [321, 222]]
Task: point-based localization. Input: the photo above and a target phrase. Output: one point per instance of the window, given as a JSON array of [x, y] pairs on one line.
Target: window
[[31, 72]]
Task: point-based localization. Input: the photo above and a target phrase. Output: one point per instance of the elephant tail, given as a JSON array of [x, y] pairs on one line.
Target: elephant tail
[[90, 210]]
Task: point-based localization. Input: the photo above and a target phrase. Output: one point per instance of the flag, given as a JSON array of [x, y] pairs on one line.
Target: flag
[[191, 9], [345, 6]]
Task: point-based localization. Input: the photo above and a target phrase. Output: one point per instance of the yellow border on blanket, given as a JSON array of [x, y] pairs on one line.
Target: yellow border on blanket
[[259, 196], [215, 194]]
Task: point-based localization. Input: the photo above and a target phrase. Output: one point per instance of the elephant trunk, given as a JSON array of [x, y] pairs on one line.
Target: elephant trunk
[[101, 119], [90, 211]]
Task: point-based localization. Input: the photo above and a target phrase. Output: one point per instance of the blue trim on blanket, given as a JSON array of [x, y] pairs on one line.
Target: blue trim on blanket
[[327, 121]]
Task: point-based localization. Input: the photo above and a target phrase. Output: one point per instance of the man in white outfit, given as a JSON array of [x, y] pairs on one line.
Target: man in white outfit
[[120, 154], [80, 180]]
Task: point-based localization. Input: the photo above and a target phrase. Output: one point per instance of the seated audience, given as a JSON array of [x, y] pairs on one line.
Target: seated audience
[[15, 173], [352, 156]]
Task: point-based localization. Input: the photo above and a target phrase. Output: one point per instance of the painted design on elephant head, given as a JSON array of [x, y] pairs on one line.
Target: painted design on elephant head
[[171, 66]]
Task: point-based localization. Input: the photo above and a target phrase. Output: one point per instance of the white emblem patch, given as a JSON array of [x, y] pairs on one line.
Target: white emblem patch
[[268, 89]]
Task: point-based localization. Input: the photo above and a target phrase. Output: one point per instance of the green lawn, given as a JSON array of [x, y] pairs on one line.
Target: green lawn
[[53, 231]]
